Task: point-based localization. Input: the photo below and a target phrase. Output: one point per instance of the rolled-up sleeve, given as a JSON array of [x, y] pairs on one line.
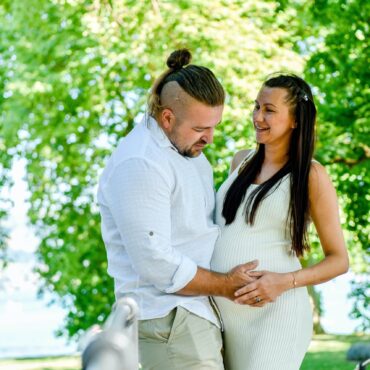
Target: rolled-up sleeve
[[138, 194]]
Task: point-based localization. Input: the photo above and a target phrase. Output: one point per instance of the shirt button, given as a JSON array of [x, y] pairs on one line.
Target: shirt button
[[151, 233]]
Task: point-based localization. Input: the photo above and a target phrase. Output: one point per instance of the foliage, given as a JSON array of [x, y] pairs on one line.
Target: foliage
[[339, 70], [74, 79], [5, 154], [82, 73]]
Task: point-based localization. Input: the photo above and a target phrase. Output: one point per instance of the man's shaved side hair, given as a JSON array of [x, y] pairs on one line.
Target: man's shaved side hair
[[175, 98], [182, 82]]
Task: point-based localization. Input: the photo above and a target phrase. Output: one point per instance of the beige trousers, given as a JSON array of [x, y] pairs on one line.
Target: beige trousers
[[179, 341]]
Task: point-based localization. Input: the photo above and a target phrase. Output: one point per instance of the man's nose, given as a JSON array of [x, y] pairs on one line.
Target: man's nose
[[208, 137]]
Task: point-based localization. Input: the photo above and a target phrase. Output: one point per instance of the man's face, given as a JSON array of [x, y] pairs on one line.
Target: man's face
[[194, 129]]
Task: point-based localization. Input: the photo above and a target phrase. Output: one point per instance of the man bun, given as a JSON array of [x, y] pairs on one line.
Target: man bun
[[197, 81], [178, 59]]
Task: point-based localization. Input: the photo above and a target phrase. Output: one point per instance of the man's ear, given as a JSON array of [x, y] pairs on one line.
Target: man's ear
[[167, 118]]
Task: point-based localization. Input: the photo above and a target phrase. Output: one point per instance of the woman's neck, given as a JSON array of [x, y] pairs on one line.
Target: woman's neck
[[277, 156]]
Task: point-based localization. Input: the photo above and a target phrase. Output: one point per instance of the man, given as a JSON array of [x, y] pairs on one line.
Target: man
[[157, 201]]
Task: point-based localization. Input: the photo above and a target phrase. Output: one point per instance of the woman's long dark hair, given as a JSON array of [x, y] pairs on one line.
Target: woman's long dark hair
[[301, 149]]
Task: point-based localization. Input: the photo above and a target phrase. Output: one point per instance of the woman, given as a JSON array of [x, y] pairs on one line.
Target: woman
[[264, 209]]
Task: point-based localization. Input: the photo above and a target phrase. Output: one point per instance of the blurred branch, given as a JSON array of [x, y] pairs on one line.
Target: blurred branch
[[156, 8], [353, 162]]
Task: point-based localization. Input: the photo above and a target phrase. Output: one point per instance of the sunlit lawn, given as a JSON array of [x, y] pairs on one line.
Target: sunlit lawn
[[46, 363], [327, 352]]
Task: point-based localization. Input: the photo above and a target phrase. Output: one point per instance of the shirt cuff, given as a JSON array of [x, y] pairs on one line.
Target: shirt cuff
[[183, 275]]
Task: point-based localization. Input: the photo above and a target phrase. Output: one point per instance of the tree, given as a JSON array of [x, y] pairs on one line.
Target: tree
[[80, 74], [82, 71], [338, 68], [6, 71]]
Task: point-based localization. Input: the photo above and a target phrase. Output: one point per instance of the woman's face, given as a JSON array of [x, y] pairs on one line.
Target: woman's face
[[272, 117]]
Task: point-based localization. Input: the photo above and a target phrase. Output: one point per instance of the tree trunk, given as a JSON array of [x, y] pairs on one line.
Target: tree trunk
[[315, 298]]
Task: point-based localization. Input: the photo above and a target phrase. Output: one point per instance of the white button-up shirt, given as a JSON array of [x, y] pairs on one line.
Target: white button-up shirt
[[157, 221]]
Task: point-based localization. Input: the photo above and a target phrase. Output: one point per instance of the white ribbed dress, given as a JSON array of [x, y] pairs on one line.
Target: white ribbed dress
[[276, 336]]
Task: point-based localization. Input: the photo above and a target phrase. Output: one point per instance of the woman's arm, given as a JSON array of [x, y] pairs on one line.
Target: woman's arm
[[325, 216]]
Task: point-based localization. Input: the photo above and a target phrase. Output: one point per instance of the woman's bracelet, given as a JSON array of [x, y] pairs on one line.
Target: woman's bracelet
[[294, 280]]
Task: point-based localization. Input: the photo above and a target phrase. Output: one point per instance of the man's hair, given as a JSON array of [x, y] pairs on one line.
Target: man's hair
[[197, 81]]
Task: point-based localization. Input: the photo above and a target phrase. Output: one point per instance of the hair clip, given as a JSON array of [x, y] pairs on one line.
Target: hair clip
[[305, 97]]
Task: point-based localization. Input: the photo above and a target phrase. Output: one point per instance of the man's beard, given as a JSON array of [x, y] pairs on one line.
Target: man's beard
[[188, 152]]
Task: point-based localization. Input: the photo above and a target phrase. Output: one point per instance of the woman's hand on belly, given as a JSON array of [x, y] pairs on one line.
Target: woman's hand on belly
[[265, 289]]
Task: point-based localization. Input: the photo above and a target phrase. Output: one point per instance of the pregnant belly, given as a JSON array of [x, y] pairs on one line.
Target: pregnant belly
[[273, 255]]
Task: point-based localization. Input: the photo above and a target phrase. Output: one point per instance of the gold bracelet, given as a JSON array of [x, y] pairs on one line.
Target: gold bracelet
[[294, 281]]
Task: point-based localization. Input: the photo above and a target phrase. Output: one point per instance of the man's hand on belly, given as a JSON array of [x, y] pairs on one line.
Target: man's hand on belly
[[239, 277], [219, 284]]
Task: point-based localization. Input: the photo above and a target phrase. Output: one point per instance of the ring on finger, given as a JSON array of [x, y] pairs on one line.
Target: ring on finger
[[257, 299]]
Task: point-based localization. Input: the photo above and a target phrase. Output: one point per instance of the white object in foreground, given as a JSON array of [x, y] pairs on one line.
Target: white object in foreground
[[116, 346]]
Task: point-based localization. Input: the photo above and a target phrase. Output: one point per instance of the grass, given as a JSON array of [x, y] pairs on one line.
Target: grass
[[45, 363], [326, 352]]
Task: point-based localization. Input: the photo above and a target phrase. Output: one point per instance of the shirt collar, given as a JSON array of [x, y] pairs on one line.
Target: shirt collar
[[157, 132]]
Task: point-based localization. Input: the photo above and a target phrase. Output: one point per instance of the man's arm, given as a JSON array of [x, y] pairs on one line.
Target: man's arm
[[139, 197], [207, 282]]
